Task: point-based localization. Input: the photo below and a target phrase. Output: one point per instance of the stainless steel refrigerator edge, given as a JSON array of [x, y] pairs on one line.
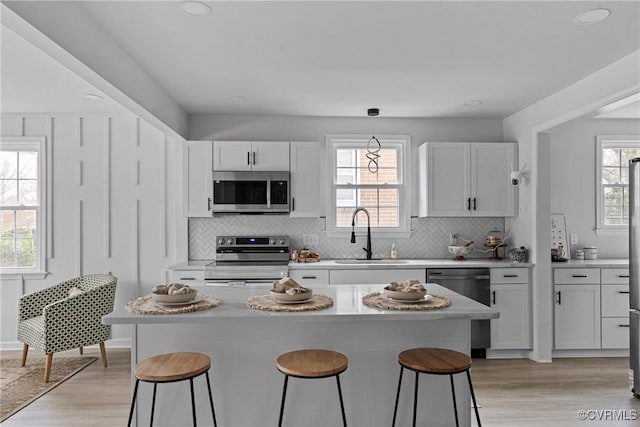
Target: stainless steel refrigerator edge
[[634, 273]]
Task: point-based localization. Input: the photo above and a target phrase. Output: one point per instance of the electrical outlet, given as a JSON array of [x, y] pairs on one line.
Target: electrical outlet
[[452, 238], [574, 238], [310, 239]]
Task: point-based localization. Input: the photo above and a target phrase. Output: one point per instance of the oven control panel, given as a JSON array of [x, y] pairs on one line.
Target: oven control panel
[[252, 241]]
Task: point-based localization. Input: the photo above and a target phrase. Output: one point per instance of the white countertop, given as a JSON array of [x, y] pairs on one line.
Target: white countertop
[[596, 263], [381, 264], [347, 306]]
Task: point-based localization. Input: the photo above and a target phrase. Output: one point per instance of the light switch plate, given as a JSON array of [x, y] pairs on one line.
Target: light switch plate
[[310, 239], [574, 238]]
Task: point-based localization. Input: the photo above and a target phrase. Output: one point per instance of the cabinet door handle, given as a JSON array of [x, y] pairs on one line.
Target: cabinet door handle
[[579, 275], [248, 158], [187, 278], [622, 276], [468, 203], [623, 326], [293, 203], [474, 203], [623, 292], [208, 203], [254, 158], [493, 297], [559, 299], [509, 275], [309, 277]]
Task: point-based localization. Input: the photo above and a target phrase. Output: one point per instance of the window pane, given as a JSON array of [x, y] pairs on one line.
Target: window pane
[[26, 252], [28, 161], [345, 157], [388, 197], [368, 198], [613, 211], [6, 223], [7, 258], [8, 192], [613, 196], [613, 221], [345, 176], [611, 157], [346, 198], [26, 224], [343, 217], [389, 217], [28, 192], [610, 175], [8, 164], [628, 154]]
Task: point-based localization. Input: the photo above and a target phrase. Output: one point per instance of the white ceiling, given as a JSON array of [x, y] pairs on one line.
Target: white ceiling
[[338, 58]]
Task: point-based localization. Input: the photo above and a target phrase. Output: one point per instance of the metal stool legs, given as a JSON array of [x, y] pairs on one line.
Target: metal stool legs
[[193, 401], [415, 398], [284, 395]]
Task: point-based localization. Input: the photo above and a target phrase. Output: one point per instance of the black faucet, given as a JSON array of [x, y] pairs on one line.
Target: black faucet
[[353, 233]]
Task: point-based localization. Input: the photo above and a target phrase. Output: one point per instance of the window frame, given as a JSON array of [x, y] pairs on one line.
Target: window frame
[[335, 141], [37, 144], [602, 142]]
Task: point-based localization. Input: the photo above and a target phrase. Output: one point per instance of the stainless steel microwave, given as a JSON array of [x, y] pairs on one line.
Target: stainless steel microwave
[[251, 192]]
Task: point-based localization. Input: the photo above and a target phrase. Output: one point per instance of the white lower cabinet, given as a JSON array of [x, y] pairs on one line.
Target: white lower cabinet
[[188, 277], [310, 277], [370, 276], [577, 317], [510, 296], [615, 308]]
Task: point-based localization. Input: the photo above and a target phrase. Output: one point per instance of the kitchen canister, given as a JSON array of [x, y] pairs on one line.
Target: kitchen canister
[[579, 254], [590, 252]]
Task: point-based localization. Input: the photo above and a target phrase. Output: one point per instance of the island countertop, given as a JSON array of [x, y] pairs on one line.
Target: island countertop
[[347, 303]]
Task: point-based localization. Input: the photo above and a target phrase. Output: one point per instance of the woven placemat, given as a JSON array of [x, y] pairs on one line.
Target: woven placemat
[[377, 300], [145, 305], [267, 303]]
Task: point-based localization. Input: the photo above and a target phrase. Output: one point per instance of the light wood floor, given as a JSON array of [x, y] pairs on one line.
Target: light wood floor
[[510, 392]]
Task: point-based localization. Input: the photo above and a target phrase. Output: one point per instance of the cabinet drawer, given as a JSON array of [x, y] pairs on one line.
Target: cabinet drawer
[[509, 275], [614, 276], [615, 300], [310, 277], [188, 277], [615, 332], [577, 276]]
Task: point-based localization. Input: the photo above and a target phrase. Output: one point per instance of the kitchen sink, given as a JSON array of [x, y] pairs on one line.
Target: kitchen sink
[[370, 261]]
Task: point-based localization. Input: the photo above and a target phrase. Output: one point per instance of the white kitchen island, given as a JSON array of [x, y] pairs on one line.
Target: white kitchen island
[[244, 343]]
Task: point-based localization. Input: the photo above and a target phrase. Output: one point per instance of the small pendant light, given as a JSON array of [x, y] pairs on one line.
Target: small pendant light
[[373, 146]]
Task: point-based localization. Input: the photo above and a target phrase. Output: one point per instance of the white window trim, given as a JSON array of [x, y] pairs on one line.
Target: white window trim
[[38, 144], [603, 141], [404, 229]]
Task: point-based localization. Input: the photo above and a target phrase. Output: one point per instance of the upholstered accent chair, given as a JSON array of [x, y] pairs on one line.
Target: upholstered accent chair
[[67, 315]]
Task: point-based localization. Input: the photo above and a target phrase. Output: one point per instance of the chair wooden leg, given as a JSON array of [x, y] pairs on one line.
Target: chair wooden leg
[[25, 350], [103, 353], [47, 367], [81, 350]]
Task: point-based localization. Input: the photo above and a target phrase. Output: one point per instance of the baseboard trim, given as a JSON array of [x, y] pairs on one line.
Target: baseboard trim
[[590, 353], [508, 354]]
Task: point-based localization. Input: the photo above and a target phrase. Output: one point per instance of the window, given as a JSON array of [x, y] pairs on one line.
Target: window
[[613, 156], [383, 193], [22, 183]]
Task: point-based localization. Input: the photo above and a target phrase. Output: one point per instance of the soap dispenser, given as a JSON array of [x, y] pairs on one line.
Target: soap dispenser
[[394, 252]]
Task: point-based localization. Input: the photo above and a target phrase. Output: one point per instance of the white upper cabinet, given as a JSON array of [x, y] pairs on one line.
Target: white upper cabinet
[[250, 156], [306, 188], [466, 179], [197, 178]]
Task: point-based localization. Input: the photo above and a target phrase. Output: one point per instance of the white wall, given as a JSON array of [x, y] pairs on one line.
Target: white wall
[[573, 181], [111, 209], [245, 127]]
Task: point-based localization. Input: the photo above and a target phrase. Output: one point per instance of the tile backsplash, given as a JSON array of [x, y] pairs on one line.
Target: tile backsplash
[[429, 236]]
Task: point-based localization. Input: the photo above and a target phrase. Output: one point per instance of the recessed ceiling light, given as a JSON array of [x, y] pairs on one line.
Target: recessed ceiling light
[[473, 103], [93, 96], [195, 8], [237, 99], [592, 16]]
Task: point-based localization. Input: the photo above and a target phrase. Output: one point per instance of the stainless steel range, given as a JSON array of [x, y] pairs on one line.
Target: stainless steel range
[[248, 261]]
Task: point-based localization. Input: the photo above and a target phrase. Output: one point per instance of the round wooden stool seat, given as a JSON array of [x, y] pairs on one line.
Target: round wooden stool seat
[[172, 367], [434, 360], [312, 363]]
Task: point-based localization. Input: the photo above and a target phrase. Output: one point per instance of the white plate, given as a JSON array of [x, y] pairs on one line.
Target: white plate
[[193, 301], [411, 301], [293, 302]]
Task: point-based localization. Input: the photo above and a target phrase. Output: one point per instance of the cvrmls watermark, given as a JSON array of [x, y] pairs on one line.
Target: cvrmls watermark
[[608, 414]]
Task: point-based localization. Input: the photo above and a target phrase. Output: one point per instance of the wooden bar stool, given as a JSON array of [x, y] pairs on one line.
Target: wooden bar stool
[[172, 367], [312, 364], [436, 361]]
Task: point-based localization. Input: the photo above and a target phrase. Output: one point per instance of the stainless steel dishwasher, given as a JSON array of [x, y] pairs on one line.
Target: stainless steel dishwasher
[[472, 283]]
